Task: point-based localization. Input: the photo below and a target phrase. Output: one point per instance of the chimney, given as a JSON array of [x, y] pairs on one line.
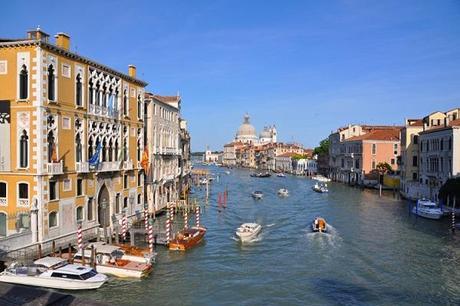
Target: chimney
[[132, 71], [62, 40], [37, 34]]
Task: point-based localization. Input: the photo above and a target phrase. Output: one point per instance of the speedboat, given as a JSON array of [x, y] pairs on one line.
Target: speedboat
[[281, 175], [187, 238], [283, 192], [55, 273], [320, 188], [427, 209], [261, 174], [321, 178], [319, 225], [258, 195], [248, 231], [227, 172], [109, 260]]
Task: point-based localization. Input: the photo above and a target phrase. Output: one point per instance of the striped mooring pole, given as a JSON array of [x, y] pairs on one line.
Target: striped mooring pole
[[79, 237], [168, 228], [171, 212], [146, 219], [197, 215], [150, 235], [124, 227], [186, 218]]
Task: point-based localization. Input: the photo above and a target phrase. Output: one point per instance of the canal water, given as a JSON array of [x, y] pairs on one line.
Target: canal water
[[376, 253]]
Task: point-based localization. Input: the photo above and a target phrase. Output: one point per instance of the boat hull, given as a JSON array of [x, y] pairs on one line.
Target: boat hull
[[44, 282], [427, 215], [179, 244], [245, 237]]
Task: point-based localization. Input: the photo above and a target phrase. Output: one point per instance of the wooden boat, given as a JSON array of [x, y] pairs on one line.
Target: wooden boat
[[319, 225], [187, 238], [138, 254]]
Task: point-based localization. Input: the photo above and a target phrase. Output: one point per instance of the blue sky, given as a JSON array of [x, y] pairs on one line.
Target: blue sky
[[306, 66]]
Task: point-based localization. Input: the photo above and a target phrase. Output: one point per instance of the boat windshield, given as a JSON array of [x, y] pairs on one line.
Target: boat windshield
[[89, 274]]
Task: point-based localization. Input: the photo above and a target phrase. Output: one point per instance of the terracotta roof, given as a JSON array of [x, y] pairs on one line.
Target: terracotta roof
[[455, 122], [385, 134], [415, 122], [288, 154]]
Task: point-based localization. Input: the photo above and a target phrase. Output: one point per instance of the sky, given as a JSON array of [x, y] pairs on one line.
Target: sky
[[308, 67]]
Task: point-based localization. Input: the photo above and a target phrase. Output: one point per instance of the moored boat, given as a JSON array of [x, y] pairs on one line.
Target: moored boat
[[187, 238], [248, 231], [321, 178], [319, 225], [427, 209], [281, 174], [54, 273], [283, 192], [258, 195]]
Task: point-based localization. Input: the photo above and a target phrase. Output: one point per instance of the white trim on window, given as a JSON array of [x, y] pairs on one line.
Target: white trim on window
[[66, 70], [22, 202], [4, 200], [69, 184], [82, 213], [57, 219], [3, 67]]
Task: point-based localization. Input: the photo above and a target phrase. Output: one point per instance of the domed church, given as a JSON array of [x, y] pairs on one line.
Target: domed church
[[247, 133]]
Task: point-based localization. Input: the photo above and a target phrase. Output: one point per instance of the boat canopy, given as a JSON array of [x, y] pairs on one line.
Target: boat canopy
[[49, 261]]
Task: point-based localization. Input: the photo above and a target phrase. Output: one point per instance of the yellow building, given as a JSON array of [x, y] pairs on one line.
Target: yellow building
[[71, 136]]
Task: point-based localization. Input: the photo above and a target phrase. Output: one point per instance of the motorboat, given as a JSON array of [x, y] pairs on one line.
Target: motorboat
[[54, 273], [261, 174], [321, 178], [227, 172], [187, 238], [283, 192], [280, 174], [427, 209], [127, 252], [204, 181], [319, 225], [248, 231], [109, 260], [258, 195], [321, 188]]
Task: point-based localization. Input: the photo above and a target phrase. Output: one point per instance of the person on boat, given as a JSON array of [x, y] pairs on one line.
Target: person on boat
[[316, 223]]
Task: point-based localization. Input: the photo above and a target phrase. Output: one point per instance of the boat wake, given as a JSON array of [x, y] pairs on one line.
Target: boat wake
[[270, 225], [330, 239]]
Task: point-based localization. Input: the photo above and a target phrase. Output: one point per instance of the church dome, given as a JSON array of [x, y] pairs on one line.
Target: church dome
[[246, 129], [265, 134]]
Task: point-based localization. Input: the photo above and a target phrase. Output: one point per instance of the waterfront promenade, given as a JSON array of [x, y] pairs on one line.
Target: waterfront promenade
[[377, 253]]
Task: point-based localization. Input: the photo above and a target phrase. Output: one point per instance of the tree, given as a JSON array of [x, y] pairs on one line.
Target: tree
[[384, 168], [323, 148]]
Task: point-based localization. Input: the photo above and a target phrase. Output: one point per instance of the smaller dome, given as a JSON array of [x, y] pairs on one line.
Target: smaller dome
[[265, 133]]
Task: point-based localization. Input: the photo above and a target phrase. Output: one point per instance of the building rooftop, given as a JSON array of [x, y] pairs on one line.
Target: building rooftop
[[382, 135]]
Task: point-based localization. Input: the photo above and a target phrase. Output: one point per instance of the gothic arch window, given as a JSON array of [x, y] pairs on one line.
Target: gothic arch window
[[90, 147], [24, 150], [23, 83], [116, 157], [104, 95], [104, 150], [138, 149], [90, 91], [125, 103], [139, 107], [98, 94], [78, 90], [51, 83], [110, 158], [51, 146], [78, 148]]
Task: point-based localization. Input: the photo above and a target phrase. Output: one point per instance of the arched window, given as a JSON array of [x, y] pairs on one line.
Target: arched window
[[51, 146], [3, 224], [90, 147], [139, 150], [78, 91], [116, 157], [125, 202], [79, 213], [23, 194], [139, 199], [90, 92], [104, 95], [51, 83], [3, 194], [78, 148], [23, 83], [98, 94], [125, 103], [104, 150], [125, 150], [53, 219], [139, 107], [110, 158], [24, 150]]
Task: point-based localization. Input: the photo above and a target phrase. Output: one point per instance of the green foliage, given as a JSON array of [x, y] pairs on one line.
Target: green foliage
[[384, 168], [323, 148], [299, 156]]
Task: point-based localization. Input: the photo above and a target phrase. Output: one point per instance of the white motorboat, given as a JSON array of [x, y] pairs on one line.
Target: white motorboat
[[321, 179], [248, 231], [280, 175], [321, 188], [258, 195], [227, 172], [319, 225], [55, 273], [283, 192], [109, 260], [427, 209]]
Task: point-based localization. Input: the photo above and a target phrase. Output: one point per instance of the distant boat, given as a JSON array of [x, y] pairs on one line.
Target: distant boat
[[321, 178], [248, 231], [427, 209], [319, 225], [261, 174], [258, 195], [320, 188], [281, 175], [283, 192]]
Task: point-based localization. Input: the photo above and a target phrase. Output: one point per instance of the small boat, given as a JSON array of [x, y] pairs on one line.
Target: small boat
[[427, 209], [280, 174], [227, 172], [187, 238], [320, 188], [283, 192], [203, 181], [261, 174], [321, 178], [319, 225], [128, 252], [54, 273], [258, 195], [248, 231]]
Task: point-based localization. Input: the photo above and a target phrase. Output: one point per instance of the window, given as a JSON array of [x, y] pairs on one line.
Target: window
[[125, 181], [414, 161], [90, 92], [66, 70], [374, 148], [139, 199], [24, 150], [67, 186], [392, 161], [117, 203], [78, 149], [373, 164], [3, 193], [450, 143], [125, 103], [52, 219], [139, 179], [52, 190], [139, 107], [89, 209], [414, 176], [357, 164], [3, 67], [79, 213], [78, 91], [66, 123], [51, 83], [415, 139], [79, 187], [22, 222], [23, 83], [125, 202], [442, 144], [23, 191]]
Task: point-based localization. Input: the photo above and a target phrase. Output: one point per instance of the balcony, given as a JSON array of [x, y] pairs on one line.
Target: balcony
[[169, 151], [128, 165], [109, 166], [3, 202], [23, 202], [82, 167], [55, 168]]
